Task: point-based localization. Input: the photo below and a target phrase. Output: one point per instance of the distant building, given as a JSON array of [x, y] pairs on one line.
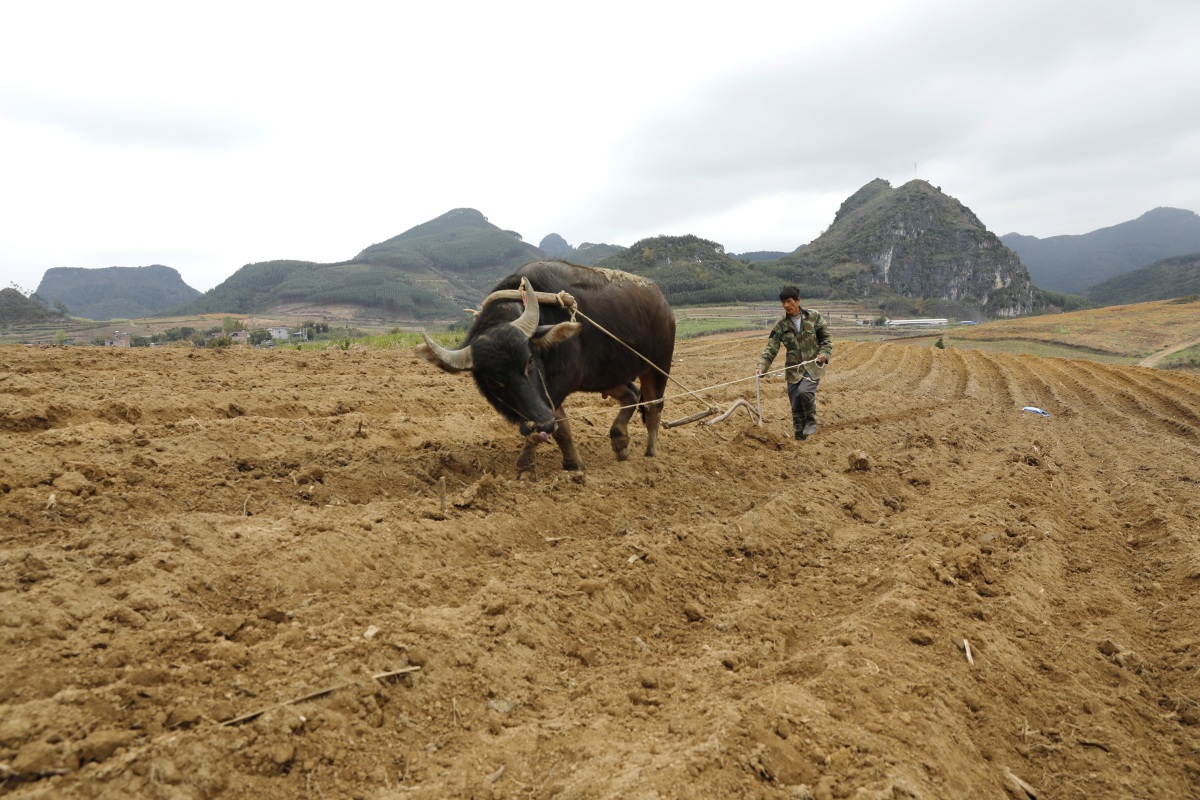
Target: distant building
[[917, 323], [279, 332], [119, 340]]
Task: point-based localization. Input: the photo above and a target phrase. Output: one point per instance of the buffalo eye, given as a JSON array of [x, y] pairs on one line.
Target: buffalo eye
[[529, 367]]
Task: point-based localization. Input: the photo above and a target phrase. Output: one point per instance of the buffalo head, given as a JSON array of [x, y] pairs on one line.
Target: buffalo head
[[503, 355]]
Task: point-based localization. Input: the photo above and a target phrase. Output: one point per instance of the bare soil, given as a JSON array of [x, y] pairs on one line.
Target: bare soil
[[286, 574]]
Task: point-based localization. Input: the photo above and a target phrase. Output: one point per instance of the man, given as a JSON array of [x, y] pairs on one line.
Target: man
[[803, 332]]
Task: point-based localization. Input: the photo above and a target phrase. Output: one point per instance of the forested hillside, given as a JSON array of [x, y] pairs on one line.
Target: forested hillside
[[17, 309], [257, 287], [691, 270], [427, 272], [587, 254], [1162, 280]]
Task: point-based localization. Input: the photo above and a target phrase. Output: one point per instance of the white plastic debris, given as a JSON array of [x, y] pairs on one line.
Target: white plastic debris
[[1036, 410]]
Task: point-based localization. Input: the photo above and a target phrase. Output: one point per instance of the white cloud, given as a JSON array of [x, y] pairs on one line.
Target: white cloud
[[128, 126]]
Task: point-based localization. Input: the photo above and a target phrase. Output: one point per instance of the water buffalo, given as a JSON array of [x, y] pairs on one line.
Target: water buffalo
[[527, 358]]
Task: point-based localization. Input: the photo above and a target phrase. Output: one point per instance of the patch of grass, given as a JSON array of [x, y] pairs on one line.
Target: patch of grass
[[1188, 359], [693, 328], [400, 340]]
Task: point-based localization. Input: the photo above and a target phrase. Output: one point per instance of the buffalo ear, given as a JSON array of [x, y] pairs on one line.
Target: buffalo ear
[[546, 336]]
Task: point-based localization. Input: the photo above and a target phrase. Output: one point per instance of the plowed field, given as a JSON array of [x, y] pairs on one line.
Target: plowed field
[[314, 575]]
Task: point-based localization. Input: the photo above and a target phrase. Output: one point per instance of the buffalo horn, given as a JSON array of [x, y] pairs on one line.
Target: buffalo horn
[[452, 359], [528, 321]]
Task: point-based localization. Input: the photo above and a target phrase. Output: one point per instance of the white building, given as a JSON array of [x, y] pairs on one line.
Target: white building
[[917, 323]]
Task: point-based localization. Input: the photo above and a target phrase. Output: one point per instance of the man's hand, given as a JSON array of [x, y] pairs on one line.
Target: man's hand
[[758, 371], [822, 360]]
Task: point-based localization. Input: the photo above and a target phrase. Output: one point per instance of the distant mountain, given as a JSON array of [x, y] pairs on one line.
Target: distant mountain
[[460, 241], [555, 246], [115, 292], [17, 309], [912, 249], [1073, 263], [1162, 280], [587, 254], [429, 271], [916, 242]]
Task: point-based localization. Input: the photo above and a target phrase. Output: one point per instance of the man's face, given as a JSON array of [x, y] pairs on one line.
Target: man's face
[[791, 306]]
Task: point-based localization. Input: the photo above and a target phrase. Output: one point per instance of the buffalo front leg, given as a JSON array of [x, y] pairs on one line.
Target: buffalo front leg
[[562, 435], [527, 461], [628, 397]]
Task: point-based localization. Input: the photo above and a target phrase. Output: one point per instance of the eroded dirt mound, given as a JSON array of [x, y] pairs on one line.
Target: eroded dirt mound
[[939, 595]]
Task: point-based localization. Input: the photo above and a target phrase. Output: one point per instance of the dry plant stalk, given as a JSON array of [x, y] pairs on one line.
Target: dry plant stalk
[[313, 695], [1017, 787]]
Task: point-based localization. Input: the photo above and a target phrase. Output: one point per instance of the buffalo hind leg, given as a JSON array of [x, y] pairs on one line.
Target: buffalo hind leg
[[628, 397], [654, 385], [562, 435]]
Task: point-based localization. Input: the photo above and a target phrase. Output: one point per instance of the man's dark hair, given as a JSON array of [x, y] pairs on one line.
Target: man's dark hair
[[789, 293]]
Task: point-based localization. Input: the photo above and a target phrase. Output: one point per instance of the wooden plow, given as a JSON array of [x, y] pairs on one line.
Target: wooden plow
[[715, 411], [755, 411]]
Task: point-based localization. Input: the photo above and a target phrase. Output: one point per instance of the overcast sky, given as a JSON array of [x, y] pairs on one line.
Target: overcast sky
[[205, 136]]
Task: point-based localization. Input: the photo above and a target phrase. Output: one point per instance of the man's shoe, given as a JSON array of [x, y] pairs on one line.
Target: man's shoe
[[810, 427]]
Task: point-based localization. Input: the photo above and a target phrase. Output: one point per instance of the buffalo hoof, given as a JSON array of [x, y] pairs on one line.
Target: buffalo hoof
[[620, 445], [571, 466]]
